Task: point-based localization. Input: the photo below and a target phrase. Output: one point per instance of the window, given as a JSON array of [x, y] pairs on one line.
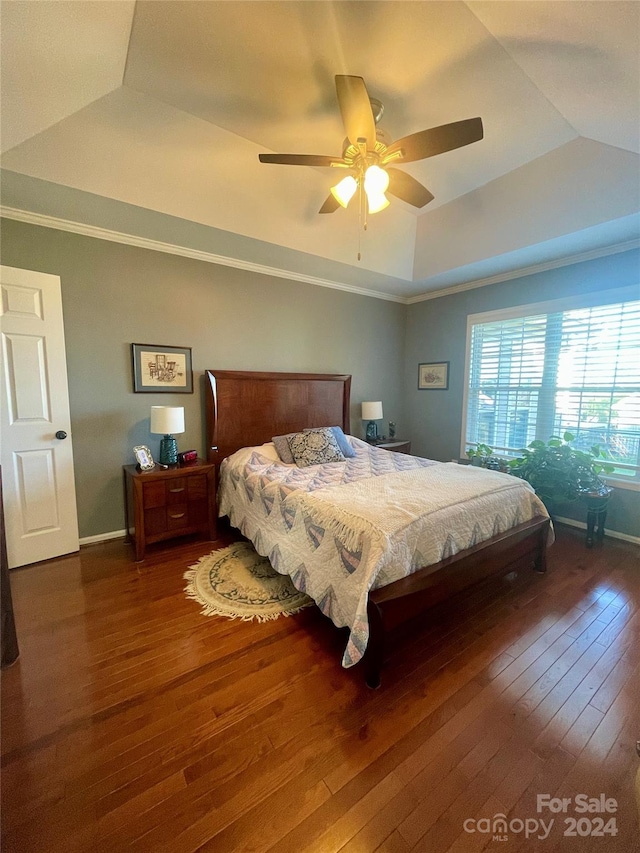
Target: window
[[540, 374]]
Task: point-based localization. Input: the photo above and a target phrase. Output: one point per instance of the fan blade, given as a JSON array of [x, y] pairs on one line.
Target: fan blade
[[300, 159], [330, 205], [437, 140], [355, 107], [406, 187]]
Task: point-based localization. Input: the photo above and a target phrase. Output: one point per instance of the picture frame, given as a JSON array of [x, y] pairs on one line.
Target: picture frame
[[143, 457], [159, 369], [433, 376]]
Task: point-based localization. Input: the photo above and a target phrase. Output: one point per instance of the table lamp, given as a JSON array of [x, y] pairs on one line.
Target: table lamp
[[166, 420], [372, 412]]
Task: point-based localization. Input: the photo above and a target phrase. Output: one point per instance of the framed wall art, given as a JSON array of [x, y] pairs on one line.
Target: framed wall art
[[433, 376], [158, 369]]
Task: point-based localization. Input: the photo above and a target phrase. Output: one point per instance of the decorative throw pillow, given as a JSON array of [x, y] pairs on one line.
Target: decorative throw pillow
[[281, 444], [343, 442], [315, 447]]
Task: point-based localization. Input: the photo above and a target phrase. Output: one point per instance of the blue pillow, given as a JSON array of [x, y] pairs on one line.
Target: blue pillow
[[343, 443]]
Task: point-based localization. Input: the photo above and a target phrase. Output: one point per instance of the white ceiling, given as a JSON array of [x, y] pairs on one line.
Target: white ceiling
[[156, 112]]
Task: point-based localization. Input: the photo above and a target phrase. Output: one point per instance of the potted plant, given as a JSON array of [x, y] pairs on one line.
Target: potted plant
[[480, 454], [559, 472]]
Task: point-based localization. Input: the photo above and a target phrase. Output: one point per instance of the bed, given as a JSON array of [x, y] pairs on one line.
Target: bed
[[370, 566]]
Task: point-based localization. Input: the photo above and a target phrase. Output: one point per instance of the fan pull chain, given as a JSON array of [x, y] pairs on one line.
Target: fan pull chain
[[361, 226]]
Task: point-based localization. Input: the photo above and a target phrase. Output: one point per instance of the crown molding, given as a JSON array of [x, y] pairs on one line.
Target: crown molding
[[529, 270], [100, 233]]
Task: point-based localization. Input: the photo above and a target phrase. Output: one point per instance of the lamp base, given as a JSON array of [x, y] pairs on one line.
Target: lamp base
[[372, 431], [168, 450]]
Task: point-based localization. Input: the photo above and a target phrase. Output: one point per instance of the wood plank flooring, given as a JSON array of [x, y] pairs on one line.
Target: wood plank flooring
[[132, 722]]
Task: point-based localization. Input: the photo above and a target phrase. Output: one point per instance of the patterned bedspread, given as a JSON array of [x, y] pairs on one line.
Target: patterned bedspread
[[343, 528]]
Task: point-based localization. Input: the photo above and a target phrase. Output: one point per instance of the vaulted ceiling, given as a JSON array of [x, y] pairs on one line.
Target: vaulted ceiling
[[147, 118]]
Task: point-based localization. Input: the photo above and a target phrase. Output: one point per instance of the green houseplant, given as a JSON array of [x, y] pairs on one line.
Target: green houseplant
[[480, 454], [559, 472]]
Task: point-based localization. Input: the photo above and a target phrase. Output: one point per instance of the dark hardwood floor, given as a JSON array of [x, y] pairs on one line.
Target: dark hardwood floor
[[131, 721]]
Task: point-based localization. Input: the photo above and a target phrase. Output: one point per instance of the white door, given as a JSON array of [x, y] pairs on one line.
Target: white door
[[35, 447]]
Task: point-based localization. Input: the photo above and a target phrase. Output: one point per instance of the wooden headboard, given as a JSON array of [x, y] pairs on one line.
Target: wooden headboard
[[246, 408]]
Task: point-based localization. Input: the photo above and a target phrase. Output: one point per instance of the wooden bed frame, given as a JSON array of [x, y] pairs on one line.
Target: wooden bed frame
[[244, 409]]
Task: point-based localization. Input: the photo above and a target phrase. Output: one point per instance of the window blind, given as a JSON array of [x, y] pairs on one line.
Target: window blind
[[538, 376]]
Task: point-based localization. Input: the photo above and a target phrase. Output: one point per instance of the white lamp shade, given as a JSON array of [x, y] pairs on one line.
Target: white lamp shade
[[372, 411], [167, 420]]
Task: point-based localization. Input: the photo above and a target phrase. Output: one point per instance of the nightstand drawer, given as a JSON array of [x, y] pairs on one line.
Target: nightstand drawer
[[176, 490], [182, 489], [177, 516], [155, 521], [198, 513], [153, 494], [161, 519], [197, 488]]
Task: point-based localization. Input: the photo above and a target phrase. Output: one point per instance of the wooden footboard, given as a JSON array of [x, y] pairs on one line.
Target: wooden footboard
[[399, 602]]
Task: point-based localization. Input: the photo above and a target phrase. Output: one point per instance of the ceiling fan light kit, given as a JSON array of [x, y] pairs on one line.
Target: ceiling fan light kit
[[343, 191], [376, 183], [368, 157], [376, 202]]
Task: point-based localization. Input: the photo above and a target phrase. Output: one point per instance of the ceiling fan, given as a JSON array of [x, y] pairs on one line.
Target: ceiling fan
[[368, 152]]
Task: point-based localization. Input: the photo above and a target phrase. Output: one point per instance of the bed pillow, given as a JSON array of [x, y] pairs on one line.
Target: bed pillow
[[343, 442], [281, 444], [315, 447]]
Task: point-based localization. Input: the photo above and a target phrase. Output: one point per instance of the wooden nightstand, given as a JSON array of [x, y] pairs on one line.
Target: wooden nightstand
[[168, 502], [397, 445]]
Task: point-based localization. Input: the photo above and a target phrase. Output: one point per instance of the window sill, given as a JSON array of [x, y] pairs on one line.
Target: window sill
[[629, 485]]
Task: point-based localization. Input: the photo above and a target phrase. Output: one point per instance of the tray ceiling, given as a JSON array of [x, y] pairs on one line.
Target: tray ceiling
[[163, 107]]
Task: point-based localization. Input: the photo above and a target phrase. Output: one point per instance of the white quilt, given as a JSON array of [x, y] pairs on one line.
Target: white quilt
[[343, 528]]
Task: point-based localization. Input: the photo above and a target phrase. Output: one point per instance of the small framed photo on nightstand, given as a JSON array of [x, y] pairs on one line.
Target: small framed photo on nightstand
[[143, 457]]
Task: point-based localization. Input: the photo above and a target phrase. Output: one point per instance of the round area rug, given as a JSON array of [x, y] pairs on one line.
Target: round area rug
[[238, 583]]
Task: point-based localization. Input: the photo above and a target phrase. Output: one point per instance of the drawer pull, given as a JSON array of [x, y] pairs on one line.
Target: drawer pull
[[178, 515], [174, 491]]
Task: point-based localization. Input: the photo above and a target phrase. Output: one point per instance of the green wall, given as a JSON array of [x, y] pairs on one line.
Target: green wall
[[436, 331], [114, 295]]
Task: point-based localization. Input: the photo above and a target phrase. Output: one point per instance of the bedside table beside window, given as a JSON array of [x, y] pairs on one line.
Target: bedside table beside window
[[167, 502], [397, 445]]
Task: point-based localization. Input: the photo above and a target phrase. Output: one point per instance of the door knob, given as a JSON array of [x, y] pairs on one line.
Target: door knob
[[61, 434]]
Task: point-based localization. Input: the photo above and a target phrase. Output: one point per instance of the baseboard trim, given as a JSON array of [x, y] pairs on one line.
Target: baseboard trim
[[102, 537], [614, 534]]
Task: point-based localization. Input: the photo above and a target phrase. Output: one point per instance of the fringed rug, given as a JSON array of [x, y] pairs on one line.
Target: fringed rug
[[238, 583]]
